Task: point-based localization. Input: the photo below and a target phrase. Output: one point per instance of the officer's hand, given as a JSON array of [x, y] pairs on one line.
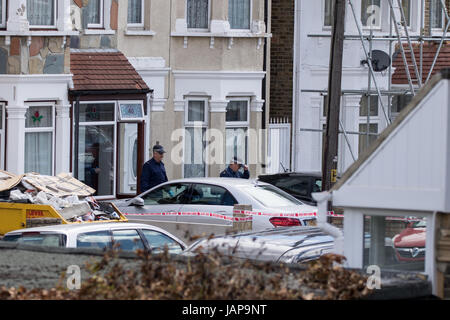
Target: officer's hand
[[245, 167]]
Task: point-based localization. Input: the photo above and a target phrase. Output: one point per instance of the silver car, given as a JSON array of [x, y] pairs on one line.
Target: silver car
[[208, 202], [288, 245], [129, 237]]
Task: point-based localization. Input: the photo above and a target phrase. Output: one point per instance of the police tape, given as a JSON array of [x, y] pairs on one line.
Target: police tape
[[259, 213]]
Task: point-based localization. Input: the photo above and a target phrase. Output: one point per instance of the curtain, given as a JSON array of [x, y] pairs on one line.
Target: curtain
[[237, 111], [41, 12], [38, 152], [436, 14], [196, 111], [197, 14], [194, 159], [239, 14], [135, 11], [236, 144], [94, 13]]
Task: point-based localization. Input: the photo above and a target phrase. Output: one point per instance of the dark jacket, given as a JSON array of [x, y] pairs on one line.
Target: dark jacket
[[228, 173], [153, 173]]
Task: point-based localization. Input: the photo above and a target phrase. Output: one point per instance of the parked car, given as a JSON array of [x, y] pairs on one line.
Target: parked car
[[210, 201], [409, 245], [287, 244], [299, 185], [129, 237]]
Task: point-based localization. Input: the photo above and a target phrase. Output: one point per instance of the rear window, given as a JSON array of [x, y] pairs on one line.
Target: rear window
[[41, 239], [270, 196]]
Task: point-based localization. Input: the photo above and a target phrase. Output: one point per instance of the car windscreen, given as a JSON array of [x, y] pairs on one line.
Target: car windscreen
[[270, 196], [42, 239]]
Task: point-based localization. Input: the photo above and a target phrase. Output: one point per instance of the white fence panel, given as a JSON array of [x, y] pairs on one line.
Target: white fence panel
[[279, 150]]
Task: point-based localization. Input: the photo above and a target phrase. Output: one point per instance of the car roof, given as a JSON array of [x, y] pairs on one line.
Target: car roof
[[293, 174], [221, 181], [85, 227]]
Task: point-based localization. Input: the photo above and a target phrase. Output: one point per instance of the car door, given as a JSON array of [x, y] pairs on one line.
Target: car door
[[209, 205], [161, 205]]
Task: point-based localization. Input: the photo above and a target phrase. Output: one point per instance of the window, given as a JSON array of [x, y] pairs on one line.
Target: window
[[395, 243], [40, 239], [365, 140], [237, 122], [195, 139], [328, 13], [97, 239], [127, 240], [131, 110], [95, 14], [135, 13], [239, 14], [97, 136], [197, 14], [39, 139], [207, 194], [437, 14], [158, 241], [41, 13], [400, 101], [2, 13], [168, 194], [371, 13], [406, 4]]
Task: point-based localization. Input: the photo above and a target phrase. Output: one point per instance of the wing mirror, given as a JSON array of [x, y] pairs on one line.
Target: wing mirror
[[138, 202]]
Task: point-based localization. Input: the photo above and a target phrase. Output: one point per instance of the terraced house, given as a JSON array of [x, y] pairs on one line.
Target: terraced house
[[88, 86]]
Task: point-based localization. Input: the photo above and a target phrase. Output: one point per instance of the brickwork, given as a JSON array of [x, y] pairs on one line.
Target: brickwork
[[282, 59]]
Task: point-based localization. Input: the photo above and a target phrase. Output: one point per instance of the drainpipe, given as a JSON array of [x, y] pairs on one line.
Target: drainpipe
[[322, 199]]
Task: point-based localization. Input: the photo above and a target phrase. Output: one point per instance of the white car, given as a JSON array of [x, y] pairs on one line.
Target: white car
[[210, 201], [129, 236]]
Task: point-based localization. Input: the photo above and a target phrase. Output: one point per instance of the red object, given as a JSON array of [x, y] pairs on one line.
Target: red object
[[409, 245], [284, 222]]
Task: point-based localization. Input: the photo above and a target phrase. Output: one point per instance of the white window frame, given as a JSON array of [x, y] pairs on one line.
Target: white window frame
[[376, 27], [373, 119], [250, 20], [119, 113], [196, 125], [102, 123], [141, 24], [51, 129], [55, 15], [102, 22], [3, 14], [2, 136], [199, 29], [240, 124]]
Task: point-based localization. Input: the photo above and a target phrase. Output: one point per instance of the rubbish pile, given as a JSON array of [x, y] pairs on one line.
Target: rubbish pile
[[70, 197]]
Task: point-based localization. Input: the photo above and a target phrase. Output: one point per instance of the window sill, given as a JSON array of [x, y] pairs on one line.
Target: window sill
[[50, 33], [99, 31], [241, 34], [131, 32]]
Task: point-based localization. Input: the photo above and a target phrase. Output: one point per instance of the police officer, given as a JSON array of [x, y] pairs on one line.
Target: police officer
[[154, 172], [232, 171]]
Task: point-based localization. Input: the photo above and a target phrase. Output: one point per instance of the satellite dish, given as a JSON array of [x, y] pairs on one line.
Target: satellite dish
[[380, 60]]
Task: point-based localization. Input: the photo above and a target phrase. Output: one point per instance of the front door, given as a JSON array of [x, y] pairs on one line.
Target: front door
[[127, 159]]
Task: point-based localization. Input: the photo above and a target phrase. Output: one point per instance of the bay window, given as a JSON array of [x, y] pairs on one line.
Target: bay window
[[195, 140], [371, 13], [197, 14], [237, 123], [39, 139], [41, 13], [135, 13], [239, 14], [95, 14]]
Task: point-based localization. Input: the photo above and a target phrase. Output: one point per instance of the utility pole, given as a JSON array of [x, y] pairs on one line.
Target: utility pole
[[330, 148]]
